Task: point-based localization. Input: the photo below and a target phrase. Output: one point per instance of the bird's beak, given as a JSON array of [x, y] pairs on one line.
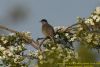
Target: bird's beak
[[40, 22]]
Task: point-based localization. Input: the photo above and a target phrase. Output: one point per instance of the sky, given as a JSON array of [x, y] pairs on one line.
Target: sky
[[57, 12]]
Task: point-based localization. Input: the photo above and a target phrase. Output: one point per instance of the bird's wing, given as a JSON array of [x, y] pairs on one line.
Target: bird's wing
[[51, 30], [48, 30]]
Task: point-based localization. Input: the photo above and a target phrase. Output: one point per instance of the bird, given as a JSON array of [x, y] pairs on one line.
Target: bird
[[48, 29]]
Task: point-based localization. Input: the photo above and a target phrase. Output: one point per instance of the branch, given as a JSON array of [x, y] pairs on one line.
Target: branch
[[31, 57], [42, 42], [5, 28], [71, 26], [30, 41]]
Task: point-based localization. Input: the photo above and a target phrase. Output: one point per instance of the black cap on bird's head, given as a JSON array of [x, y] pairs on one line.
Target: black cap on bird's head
[[44, 21]]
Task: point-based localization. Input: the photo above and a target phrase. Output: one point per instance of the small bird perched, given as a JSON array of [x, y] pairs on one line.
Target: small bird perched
[[47, 29]]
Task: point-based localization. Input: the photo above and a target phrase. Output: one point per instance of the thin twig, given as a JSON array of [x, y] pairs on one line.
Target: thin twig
[[30, 57], [71, 26], [5, 28], [42, 42]]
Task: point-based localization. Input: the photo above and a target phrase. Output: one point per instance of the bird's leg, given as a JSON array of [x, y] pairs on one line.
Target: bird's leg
[[43, 39], [37, 40], [42, 42]]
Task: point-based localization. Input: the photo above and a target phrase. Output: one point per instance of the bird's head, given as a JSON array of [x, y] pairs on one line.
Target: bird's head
[[44, 21]]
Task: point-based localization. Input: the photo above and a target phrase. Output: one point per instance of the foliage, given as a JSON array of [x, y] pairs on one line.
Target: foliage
[[11, 50]]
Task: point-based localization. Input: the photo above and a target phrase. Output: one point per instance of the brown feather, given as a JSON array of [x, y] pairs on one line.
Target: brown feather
[[48, 30]]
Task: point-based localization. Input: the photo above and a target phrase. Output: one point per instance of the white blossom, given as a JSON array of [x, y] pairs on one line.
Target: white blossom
[[28, 32], [69, 51], [11, 34], [16, 60], [90, 21], [3, 57], [19, 47], [0, 57], [68, 57], [98, 10], [46, 50], [23, 44], [59, 27], [35, 53], [31, 53], [60, 54], [95, 17], [53, 48], [40, 57], [80, 28], [89, 38], [90, 35], [2, 48], [11, 48], [2, 38], [56, 36], [7, 52], [17, 57], [5, 41], [66, 34], [98, 19], [73, 38], [95, 42], [10, 54], [78, 25]]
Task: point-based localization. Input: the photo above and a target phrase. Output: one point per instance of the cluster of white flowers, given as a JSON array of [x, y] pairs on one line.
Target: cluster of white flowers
[[89, 21], [71, 37], [59, 28], [97, 11], [12, 34], [92, 38], [4, 40], [94, 18], [89, 38], [27, 34], [2, 48], [11, 50], [33, 53], [53, 48], [7, 52], [56, 36], [17, 58], [60, 52], [40, 57], [70, 55], [68, 35]]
